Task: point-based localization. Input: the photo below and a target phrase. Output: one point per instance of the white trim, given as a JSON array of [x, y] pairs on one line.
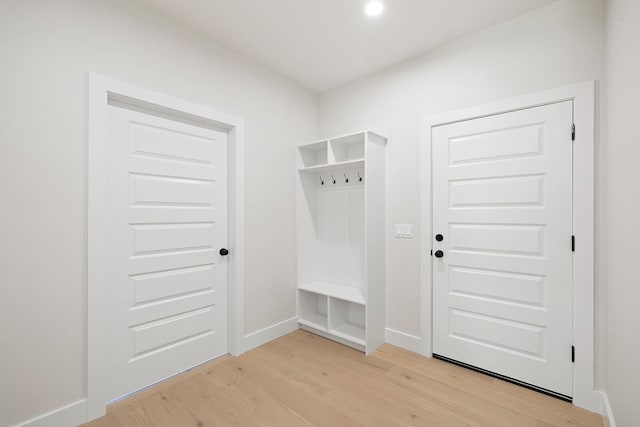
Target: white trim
[[403, 340], [101, 90], [583, 95], [237, 344], [607, 415], [65, 416], [424, 238], [270, 333]]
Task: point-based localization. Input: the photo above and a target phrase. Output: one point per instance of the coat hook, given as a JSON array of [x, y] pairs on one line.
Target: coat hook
[[359, 177], [321, 180], [346, 179], [334, 180]]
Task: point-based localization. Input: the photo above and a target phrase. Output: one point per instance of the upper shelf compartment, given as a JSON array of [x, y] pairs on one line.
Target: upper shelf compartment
[[347, 148], [341, 153], [315, 154]]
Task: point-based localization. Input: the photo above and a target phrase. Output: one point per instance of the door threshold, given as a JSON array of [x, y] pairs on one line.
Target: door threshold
[[505, 378]]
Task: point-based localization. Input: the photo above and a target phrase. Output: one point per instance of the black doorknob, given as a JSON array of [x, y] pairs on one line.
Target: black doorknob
[[438, 254], [224, 251], [439, 237]]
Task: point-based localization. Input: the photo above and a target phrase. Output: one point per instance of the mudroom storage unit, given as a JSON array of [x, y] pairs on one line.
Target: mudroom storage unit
[[341, 239]]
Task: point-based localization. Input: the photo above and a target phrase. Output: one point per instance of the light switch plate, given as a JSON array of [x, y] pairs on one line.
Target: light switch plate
[[404, 231]]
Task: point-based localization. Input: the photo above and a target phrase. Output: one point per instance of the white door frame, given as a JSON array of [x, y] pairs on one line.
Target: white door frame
[[583, 96], [101, 91]]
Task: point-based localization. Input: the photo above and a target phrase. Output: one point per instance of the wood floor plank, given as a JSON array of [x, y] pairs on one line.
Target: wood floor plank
[[305, 380], [363, 386], [242, 391], [505, 394], [307, 405]]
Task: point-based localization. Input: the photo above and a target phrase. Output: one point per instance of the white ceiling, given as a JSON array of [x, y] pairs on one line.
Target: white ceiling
[[324, 43]]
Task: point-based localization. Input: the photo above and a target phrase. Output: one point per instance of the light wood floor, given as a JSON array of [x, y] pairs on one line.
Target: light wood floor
[[303, 379]]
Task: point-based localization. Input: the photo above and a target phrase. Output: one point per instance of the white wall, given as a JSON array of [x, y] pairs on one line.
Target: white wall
[[622, 200], [46, 49], [554, 46]]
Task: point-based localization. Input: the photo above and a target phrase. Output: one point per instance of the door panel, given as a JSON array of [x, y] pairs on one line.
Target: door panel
[[167, 222], [502, 194], [165, 191], [521, 191], [154, 286], [496, 285]]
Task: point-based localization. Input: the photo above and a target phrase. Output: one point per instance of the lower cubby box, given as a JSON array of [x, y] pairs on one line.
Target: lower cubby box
[[313, 310], [347, 320]]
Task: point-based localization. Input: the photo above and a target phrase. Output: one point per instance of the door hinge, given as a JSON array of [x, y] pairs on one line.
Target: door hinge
[[431, 252], [573, 132], [573, 243], [573, 354]]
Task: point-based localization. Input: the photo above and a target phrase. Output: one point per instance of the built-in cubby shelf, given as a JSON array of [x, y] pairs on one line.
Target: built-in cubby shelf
[[347, 148], [329, 315], [341, 234], [315, 154], [347, 320], [313, 310], [333, 154]]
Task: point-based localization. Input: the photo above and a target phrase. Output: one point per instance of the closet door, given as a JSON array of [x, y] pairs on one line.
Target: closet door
[[167, 225]]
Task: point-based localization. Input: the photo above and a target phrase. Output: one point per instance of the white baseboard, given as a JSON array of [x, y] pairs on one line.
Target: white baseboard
[[607, 417], [67, 416], [403, 340], [270, 333]]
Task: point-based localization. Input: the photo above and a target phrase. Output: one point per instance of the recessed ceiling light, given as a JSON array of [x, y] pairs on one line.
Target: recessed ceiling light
[[374, 8]]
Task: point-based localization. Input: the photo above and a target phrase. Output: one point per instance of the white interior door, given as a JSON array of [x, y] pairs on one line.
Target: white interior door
[[167, 282], [502, 281]]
